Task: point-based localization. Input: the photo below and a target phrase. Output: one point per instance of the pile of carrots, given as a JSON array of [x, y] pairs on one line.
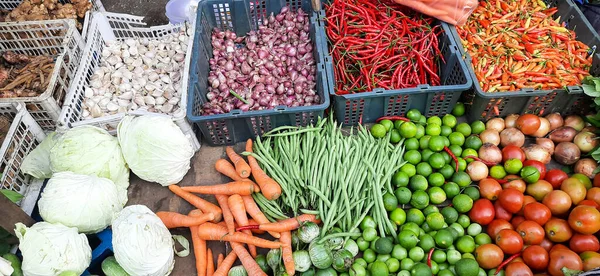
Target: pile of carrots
[[229, 221]]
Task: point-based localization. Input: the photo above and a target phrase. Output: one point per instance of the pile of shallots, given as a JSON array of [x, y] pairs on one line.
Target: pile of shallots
[[273, 67]]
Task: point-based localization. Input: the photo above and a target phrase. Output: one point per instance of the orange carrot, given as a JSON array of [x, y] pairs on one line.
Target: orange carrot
[[198, 202], [214, 232], [227, 216], [174, 220], [224, 167], [270, 189], [225, 266], [256, 213], [238, 210], [199, 246], [252, 268], [250, 222], [210, 263], [283, 225], [220, 259], [286, 252], [241, 167], [231, 188]]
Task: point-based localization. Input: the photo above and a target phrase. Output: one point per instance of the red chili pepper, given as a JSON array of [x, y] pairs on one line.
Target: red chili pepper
[[429, 257], [507, 261], [393, 118], [452, 156], [487, 163]]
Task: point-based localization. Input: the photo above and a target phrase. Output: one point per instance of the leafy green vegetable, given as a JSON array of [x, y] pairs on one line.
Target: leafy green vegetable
[[15, 262], [12, 195]]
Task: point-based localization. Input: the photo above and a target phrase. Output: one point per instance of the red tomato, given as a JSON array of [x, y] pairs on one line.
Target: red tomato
[[597, 180], [526, 200], [589, 202], [593, 194], [546, 244], [482, 212], [537, 212], [563, 258], [509, 241], [490, 188], [536, 257], [496, 226], [513, 152], [558, 202], [489, 256], [511, 200], [558, 247], [539, 189], [500, 212], [541, 167], [515, 182], [516, 220], [558, 230], [528, 123], [591, 260], [575, 189], [518, 269], [581, 243], [531, 232], [585, 219], [556, 177]]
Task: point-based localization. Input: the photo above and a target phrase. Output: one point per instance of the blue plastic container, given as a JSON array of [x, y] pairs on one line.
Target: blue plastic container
[[102, 249], [242, 16]]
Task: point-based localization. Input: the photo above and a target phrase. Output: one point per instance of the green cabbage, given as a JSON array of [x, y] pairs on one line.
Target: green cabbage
[[37, 162]]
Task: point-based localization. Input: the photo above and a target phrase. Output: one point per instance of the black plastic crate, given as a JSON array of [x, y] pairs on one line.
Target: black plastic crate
[[242, 16], [482, 105]]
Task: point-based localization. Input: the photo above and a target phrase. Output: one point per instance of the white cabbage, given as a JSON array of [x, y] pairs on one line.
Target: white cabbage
[[142, 244], [37, 162], [51, 249], [86, 202], [155, 149], [91, 150]]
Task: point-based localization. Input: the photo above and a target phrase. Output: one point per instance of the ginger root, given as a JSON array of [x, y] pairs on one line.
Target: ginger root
[[31, 10]]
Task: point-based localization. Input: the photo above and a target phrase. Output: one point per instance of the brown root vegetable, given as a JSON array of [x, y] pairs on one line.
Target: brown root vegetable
[[555, 120], [586, 141], [490, 153], [512, 136], [575, 122], [543, 129], [586, 166], [538, 153], [477, 170], [495, 124], [545, 143], [490, 136], [567, 153], [511, 120], [563, 134]]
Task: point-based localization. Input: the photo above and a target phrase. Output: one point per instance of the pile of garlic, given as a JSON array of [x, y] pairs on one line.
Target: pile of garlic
[[137, 74]]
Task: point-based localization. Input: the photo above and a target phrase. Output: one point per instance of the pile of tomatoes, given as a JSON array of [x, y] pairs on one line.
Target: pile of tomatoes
[[539, 223]]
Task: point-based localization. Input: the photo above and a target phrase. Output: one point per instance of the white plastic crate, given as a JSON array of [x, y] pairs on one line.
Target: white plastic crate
[[23, 136], [58, 39], [12, 4], [106, 26]]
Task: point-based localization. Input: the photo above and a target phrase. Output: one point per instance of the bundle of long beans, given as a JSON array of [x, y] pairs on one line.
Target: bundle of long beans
[[322, 171]]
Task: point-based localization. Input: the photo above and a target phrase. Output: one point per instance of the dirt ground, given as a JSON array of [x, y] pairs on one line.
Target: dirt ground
[[152, 10]]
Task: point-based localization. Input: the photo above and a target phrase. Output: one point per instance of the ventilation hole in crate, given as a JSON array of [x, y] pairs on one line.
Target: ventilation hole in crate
[[397, 105], [440, 104], [539, 105], [222, 16], [258, 12], [354, 111], [295, 4], [218, 131], [304, 118], [260, 125], [456, 76], [495, 108]]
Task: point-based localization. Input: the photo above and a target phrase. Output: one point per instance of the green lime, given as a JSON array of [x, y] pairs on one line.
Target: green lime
[[412, 157], [369, 234], [464, 220], [425, 227], [446, 130], [411, 144], [477, 127], [372, 245], [384, 245], [418, 182], [435, 221], [492, 272], [513, 166], [408, 130], [446, 171], [465, 244], [369, 255], [437, 161], [452, 189], [584, 179], [393, 265], [474, 229], [399, 252], [379, 269], [430, 209], [424, 142], [436, 179], [434, 120], [387, 124], [445, 272], [462, 164], [426, 242], [473, 142], [468, 255], [420, 131], [400, 179], [467, 267], [456, 138], [456, 150], [407, 239], [471, 191], [437, 143], [530, 174], [419, 199], [362, 244], [462, 203], [398, 216], [416, 216], [390, 202], [378, 131], [433, 129], [412, 226], [361, 261], [426, 154], [420, 269], [450, 214], [355, 270], [397, 124], [449, 120], [395, 136], [413, 114], [408, 169], [459, 109], [423, 120], [424, 169], [437, 195], [446, 141], [416, 254], [367, 222], [464, 128], [406, 264], [443, 238], [447, 158], [497, 172], [452, 256], [458, 229], [443, 266], [403, 194], [438, 256], [483, 238], [469, 152], [462, 179]]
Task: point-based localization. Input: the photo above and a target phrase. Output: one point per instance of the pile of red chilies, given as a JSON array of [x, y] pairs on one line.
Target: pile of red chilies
[[380, 44]]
